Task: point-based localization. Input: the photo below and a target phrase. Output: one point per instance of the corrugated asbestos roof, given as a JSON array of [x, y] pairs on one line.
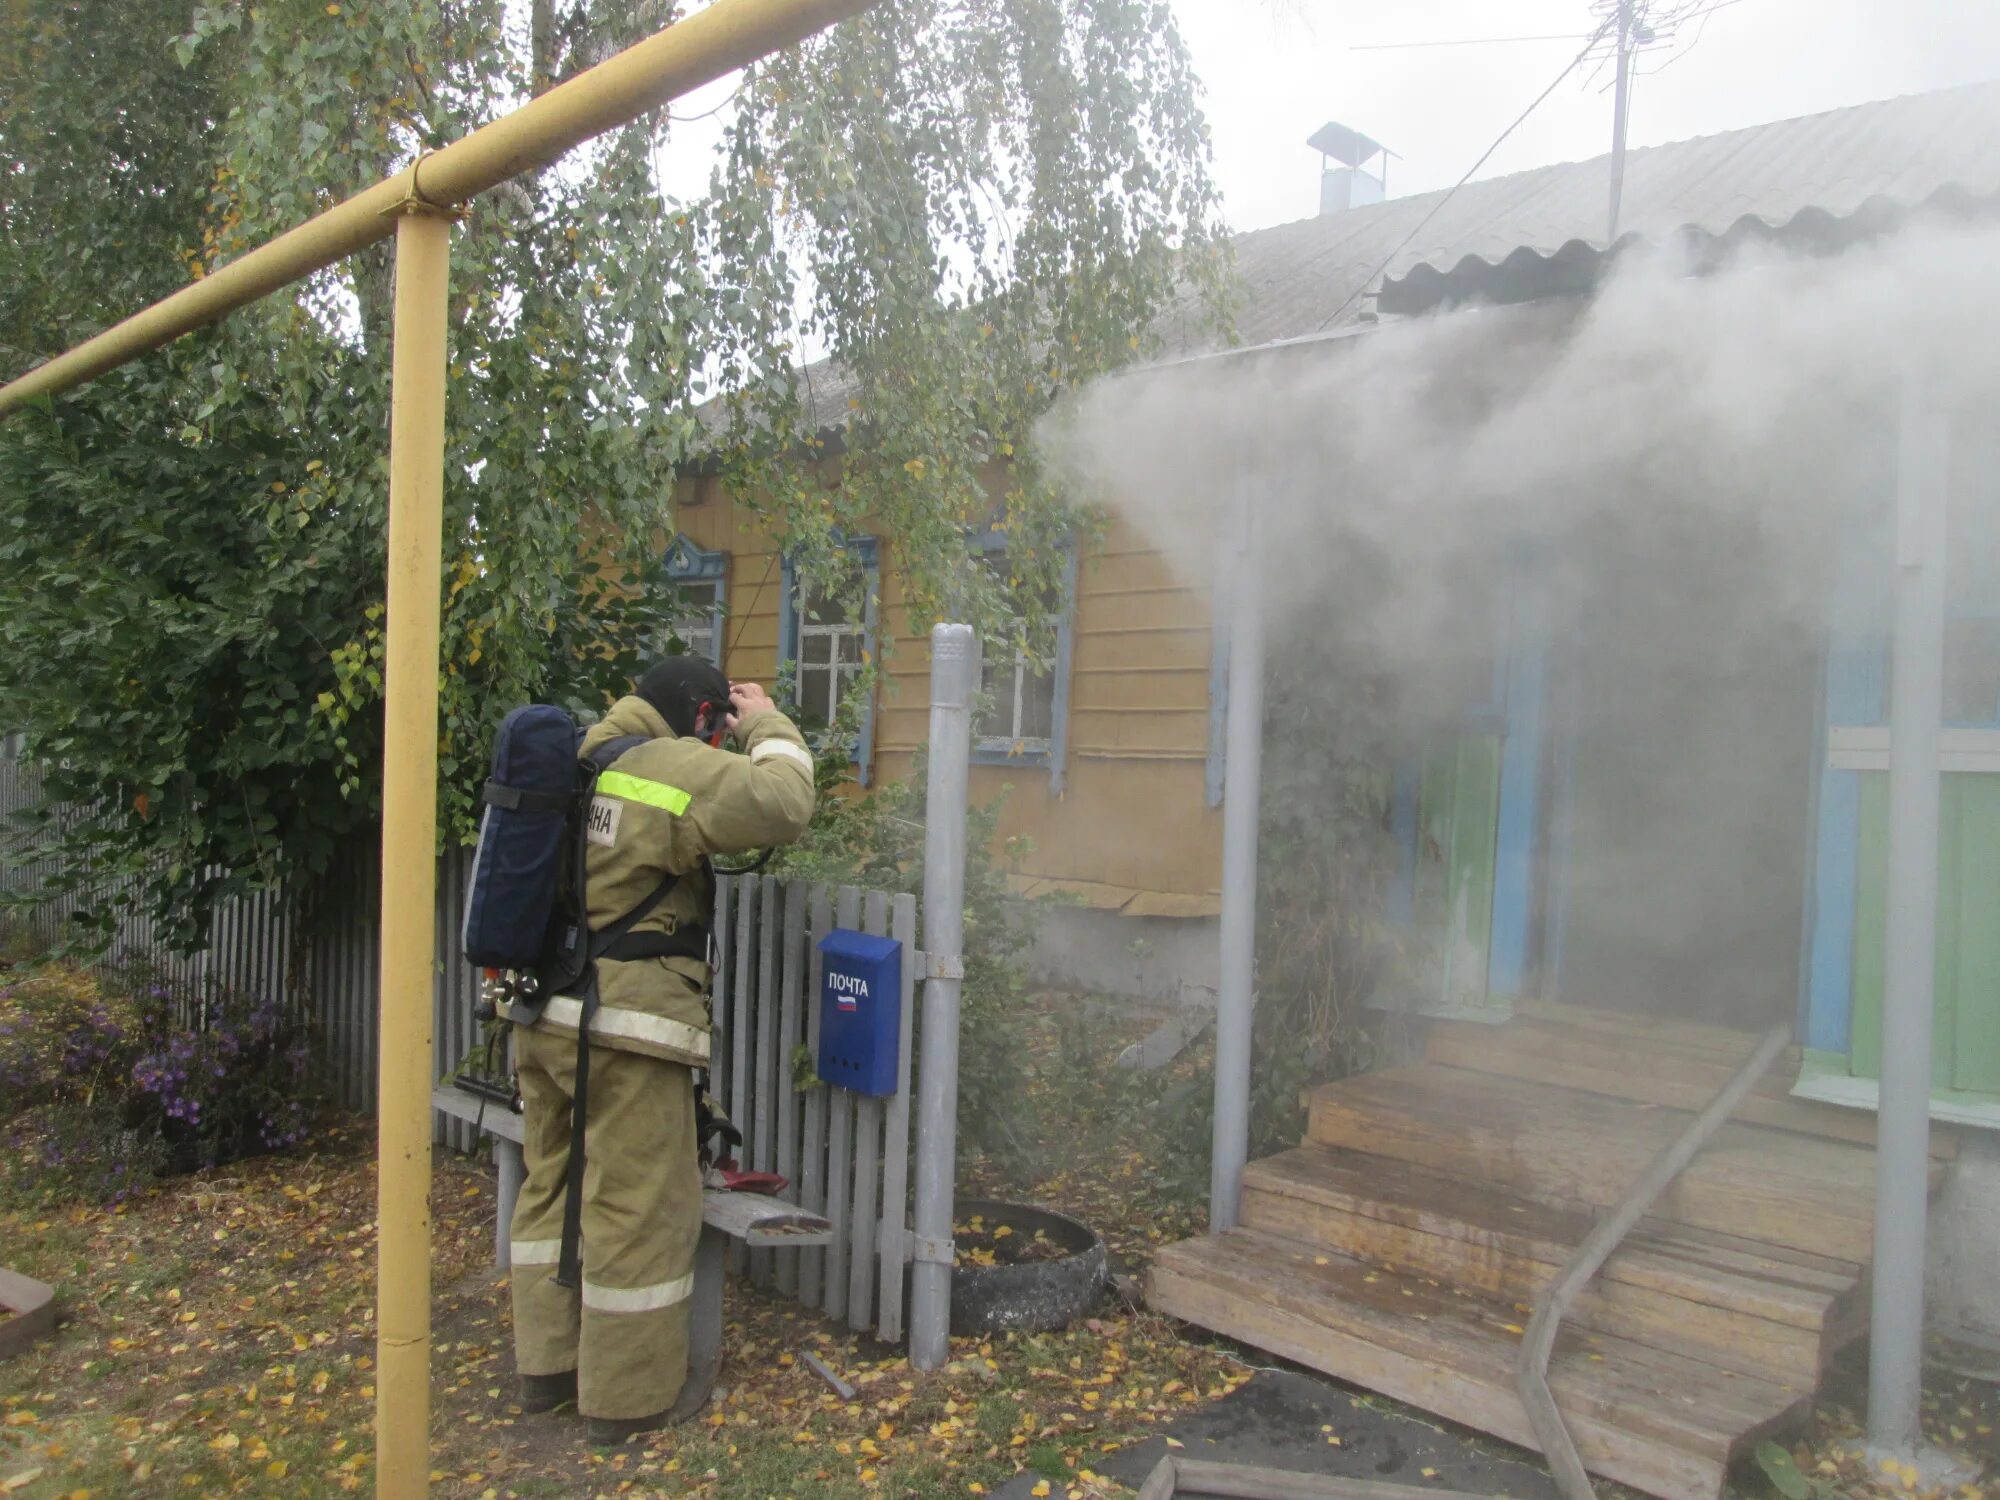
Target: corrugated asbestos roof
[[1819, 177], [1869, 162]]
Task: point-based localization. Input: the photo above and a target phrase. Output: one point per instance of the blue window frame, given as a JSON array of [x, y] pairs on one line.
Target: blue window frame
[[1026, 722], [700, 581], [828, 646]]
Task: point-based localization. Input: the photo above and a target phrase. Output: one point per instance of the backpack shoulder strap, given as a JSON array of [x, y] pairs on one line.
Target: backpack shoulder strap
[[598, 758], [614, 942], [601, 943]]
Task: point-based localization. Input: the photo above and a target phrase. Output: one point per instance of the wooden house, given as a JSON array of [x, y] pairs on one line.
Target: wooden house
[[1568, 1031]]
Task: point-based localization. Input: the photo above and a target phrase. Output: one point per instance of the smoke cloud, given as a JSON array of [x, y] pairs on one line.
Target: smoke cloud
[[1695, 473]]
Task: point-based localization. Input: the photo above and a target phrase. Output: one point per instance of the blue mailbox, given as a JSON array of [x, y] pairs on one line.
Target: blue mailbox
[[860, 1011]]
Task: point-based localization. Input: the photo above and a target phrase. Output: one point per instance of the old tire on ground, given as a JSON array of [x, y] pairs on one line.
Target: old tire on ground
[[1034, 1296]]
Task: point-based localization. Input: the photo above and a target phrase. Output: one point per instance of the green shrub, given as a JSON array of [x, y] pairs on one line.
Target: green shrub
[[106, 1082]]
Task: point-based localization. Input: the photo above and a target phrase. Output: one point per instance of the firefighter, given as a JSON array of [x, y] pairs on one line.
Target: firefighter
[[617, 1344]]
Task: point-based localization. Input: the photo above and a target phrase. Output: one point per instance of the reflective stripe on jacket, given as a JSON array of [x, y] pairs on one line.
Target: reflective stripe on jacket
[[663, 807]]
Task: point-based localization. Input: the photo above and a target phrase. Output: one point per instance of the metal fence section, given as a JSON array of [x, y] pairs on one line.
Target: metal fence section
[[314, 950], [846, 1155]]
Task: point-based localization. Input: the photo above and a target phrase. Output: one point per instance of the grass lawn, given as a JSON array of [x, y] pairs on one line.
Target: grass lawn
[[219, 1340]]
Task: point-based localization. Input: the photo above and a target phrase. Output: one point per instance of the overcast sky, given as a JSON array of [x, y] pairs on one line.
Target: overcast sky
[[1278, 69]]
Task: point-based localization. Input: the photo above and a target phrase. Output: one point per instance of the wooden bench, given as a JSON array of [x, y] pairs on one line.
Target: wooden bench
[[757, 1220], [27, 1312]]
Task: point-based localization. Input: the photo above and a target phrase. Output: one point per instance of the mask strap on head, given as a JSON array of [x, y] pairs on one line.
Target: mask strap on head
[[716, 730]]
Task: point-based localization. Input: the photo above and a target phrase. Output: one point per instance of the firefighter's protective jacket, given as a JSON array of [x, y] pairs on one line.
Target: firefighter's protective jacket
[[664, 807]]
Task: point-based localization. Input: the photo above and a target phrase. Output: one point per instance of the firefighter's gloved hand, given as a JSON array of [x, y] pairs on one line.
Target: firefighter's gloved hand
[[745, 699]]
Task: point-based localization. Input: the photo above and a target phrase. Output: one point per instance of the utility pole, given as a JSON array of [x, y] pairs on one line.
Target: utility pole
[[1618, 114]]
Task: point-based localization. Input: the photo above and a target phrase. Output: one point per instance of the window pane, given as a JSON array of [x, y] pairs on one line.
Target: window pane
[[841, 683], [1038, 706], [1971, 671], [996, 685], [852, 647], [693, 621], [822, 608], [815, 701]]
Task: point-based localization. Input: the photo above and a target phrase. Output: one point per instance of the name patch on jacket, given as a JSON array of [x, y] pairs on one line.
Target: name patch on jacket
[[601, 827]]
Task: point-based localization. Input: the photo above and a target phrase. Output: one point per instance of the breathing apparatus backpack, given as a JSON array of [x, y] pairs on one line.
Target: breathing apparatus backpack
[[527, 911]]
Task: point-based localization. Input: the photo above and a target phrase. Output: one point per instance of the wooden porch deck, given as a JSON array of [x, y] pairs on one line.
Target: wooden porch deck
[[1401, 1245]]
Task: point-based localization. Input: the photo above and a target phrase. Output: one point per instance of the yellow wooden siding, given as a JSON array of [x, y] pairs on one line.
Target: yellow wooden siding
[[753, 573], [1132, 830]]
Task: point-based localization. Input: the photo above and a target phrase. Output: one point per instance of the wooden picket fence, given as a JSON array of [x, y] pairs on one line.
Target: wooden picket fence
[[845, 1155]]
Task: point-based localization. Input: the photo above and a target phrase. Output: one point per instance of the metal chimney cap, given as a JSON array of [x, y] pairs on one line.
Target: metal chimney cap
[[1348, 147]]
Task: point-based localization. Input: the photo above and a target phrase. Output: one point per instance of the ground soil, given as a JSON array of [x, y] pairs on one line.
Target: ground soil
[[219, 1340]]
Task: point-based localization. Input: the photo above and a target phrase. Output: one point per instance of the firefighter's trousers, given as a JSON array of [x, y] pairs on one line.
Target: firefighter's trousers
[[625, 1330]]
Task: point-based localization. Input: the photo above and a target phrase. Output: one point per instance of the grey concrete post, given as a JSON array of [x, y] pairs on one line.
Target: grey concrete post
[[954, 674], [1242, 794], [711, 1265], [1902, 1140], [508, 1159]]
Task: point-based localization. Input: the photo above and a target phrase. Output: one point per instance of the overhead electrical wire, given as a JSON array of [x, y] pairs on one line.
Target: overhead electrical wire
[[1469, 41], [1369, 280]]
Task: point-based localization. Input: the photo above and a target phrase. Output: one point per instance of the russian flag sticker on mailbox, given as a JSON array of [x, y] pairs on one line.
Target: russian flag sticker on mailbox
[[860, 1011]]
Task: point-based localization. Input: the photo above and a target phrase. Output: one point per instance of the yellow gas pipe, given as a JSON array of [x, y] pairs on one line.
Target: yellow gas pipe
[[409, 854]]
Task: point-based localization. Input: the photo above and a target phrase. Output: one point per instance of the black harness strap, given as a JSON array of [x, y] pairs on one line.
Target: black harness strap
[[689, 940], [515, 799], [569, 1263], [620, 944]]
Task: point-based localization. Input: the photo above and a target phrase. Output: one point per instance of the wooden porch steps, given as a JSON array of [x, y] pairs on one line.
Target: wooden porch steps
[[1573, 1149], [1776, 1314], [1401, 1246], [1643, 1416], [1675, 1064]]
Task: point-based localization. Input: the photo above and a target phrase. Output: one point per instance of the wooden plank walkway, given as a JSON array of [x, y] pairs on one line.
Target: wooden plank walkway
[[1641, 1416], [1401, 1246]]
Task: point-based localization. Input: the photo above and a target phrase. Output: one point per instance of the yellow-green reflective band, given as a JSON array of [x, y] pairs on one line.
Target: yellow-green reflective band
[[638, 789]]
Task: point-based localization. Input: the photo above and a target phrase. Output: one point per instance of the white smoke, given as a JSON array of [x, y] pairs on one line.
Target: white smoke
[[1682, 461]]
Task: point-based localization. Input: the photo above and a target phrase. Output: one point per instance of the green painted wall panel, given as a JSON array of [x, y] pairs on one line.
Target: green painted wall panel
[[1966, 1025], [1864, 1050], [1475, 832], [1458, 813], [1976, 1018]]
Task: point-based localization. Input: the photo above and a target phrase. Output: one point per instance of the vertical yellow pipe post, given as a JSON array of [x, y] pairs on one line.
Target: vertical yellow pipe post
[[409, 855]]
